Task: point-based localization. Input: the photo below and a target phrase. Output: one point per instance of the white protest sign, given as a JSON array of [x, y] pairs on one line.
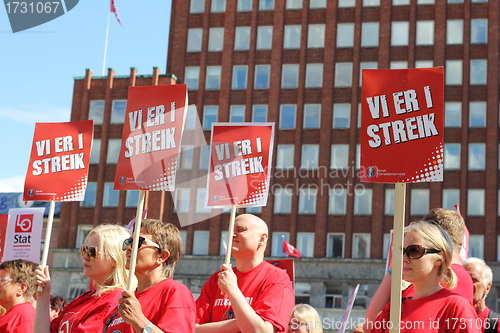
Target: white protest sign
[[347, 312], [24, 234]]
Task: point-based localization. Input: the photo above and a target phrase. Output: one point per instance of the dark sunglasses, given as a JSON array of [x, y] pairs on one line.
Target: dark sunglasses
[[91, 251], [130, 240], [417, 251]]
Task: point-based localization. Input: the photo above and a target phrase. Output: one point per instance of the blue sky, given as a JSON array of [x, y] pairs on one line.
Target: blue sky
[[37, 67]]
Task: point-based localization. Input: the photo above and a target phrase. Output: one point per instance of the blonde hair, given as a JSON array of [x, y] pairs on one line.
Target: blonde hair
[[438, 239], [307, 315], [111, 238]]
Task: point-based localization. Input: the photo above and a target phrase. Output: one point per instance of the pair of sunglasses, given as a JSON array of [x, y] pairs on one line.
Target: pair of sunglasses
[[130, 240], [417, 251], [91, 251]]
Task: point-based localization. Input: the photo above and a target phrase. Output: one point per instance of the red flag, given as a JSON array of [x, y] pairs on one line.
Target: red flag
[[112, 9], [290, 250]]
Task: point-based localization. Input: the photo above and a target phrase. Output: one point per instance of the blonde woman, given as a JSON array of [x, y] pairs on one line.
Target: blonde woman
[[304, 319], [427, 256], [103, 262]]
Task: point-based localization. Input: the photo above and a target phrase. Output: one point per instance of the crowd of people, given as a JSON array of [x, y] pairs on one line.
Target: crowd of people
[[441, 295]]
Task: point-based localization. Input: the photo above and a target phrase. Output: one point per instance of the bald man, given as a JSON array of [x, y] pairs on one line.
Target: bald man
[[482, 277], [254, 296]]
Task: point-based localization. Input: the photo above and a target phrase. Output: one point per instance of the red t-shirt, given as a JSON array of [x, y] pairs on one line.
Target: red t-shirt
[[266, 288], [483, 316], [87, 313], [168, 304], [19, 319], [441, 312]]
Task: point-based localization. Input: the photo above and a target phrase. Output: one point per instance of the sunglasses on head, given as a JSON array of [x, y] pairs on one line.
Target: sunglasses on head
[[130, 240], [91, 251], [417, 251]]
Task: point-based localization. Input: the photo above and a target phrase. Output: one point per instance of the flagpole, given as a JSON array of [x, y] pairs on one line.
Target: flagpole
[[106, 44]]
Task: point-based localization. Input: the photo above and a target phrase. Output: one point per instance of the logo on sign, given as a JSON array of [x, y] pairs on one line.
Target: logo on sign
[[122, 180], [371, 172], [228, 315], [24, 223], [31, 192]]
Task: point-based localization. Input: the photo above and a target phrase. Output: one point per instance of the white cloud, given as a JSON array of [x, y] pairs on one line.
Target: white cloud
[[12, 184], [31, 114]]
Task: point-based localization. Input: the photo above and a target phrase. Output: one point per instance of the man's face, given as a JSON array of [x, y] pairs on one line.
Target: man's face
[[475, 271], [247, 235]]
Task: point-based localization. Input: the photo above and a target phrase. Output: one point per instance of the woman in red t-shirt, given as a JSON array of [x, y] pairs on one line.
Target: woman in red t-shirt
[[104, 263]]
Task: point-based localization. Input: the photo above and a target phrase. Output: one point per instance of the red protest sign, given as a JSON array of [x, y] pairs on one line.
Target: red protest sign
[[59, 161], [4, 218], [402, 125], [240, 164], [151, 138]]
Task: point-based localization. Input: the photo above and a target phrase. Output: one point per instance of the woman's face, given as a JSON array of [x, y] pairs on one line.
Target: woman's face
[[297, 326], [417, 270], [8, 289], [147, 254], [101, 267]]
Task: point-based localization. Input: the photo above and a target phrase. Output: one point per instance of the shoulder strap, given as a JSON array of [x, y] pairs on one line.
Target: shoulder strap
[[109, 321], [492, 322]]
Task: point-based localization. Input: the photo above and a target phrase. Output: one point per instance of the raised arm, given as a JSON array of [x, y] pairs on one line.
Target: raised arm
[[42, 314]]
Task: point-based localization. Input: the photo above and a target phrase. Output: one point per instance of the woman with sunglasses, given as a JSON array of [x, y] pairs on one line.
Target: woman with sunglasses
[[104, 263], [427, 256], [159, 303]]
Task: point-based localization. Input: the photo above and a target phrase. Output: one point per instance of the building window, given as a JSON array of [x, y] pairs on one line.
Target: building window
[[132, 199], [242, 38], [347, 3], [244, 5], [317, 4], [284, 159], [360, 246], [400, 2], [90, 192], [419, 202], [287, 116], [399, 33], [314, 75], [182, 200], [389, 201], [213, 78], [278, 237], [200, 243], [197, 6], [340, 156], [316, 36], [266, 4], [425, 33], [209, 116], [452, 114], [95, 152], [454, 32], [337, 201], [307, 201], [452, 156], [424, 63], [191, 117], [335, 245], [341, 115], [96, 111], [476, 246], [200, 201], [477, 114], [185, 158], [292, 37], [333, 295], [312, 115], [385, 246], [216, 39], [343, 74], [369, 34], [425, 2], [363, 201], [82, 233], [476, 156], [475, 202], [282, 201], [478, 69], [110, 195], [359, 115], [240, 77], [259, 113], [262, 76], [398, 65], [204, 157], [453, 72], [183, 239], [345, 34], [237, 114], [293, 4], [223, 243], [371, 3], [192, 76], [218, 6], [451, 197], [358, 156], [305, 243], [254, 210], [113, 153], [310, 154], [290, 76], [479, 31], [264, 37], [194, 40], [366, 65], [118, 110]]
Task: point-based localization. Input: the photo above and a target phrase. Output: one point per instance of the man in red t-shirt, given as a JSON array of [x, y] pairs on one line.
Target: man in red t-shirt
[[253, 296], [481, 277]]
